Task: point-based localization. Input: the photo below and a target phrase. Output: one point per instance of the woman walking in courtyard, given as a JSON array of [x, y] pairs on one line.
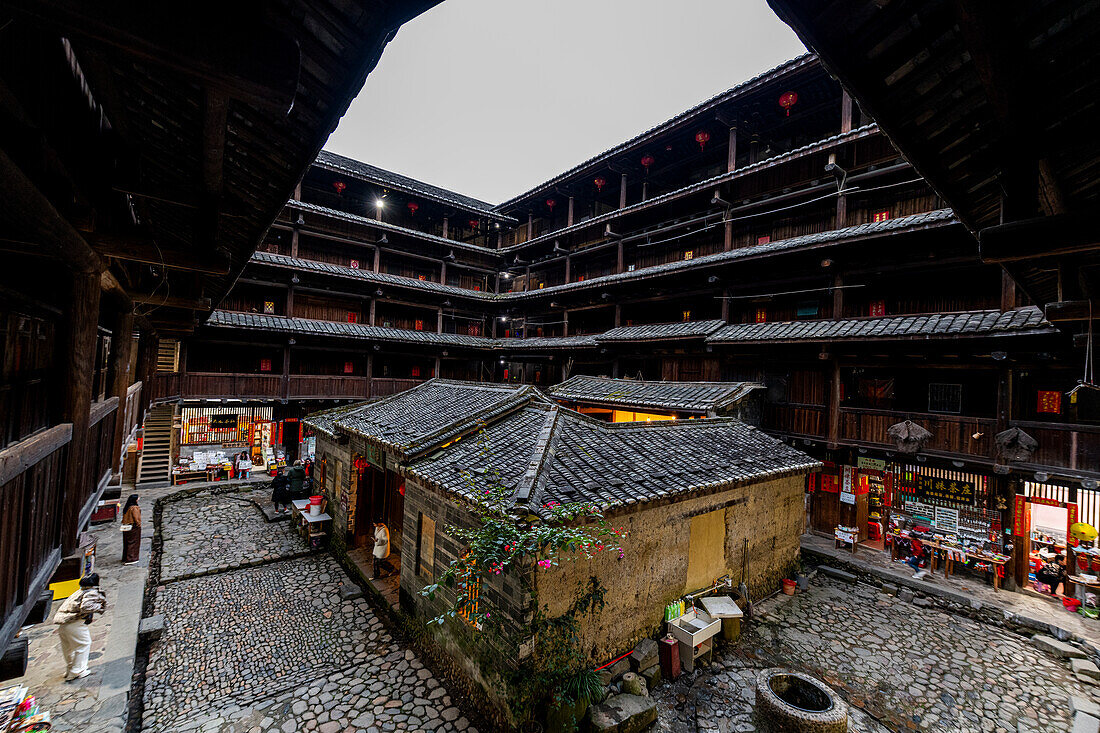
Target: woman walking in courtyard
[[280, 491], [131, 531], [72, 619], [381, 547]]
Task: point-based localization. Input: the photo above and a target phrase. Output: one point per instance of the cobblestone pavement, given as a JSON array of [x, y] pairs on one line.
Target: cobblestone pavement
[[273, 648], [898, 664], [217, 532]]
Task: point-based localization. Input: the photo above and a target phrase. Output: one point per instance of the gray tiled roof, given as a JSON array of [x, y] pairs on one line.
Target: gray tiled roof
[[690, 396], [384, 226], [795, 64], [282, 324], [971, 323], [389, 179], [662, 331], [310, 326], [552, 454], [378, 278], [938, 218], [325, 421], [706, 184], [430, 414]]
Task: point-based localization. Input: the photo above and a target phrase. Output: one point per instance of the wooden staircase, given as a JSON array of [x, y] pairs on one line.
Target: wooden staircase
[[156, 451]]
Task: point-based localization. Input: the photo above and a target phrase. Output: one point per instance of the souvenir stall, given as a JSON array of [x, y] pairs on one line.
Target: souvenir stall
[[849, 501], [211, 438], [944, 520], [20, 711]]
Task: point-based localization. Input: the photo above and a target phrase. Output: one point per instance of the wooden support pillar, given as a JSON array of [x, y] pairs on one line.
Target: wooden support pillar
[[286, 372], [183, 368], [834, 405], [569, 214], [615, 369], [496, 288], [622, 192], [370, 317], [645, 190], [377, 259], [565, 323], [618, 315], [446, 226], [731, 158], [619, 265], [122, 341], [298, 192], [568, 267], [838, 297], [845, 112], [443, 272], [841, 211], [727, 237], [290, 301], [439, 321], [1004, 398], [79, 364], [754, 149], [294, 241], [1008, 291], [370, 375], [726, 305], [438, 366], [530, 226]]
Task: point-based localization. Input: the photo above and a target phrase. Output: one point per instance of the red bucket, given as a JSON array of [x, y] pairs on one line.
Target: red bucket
[[789, 586], [315, 499]]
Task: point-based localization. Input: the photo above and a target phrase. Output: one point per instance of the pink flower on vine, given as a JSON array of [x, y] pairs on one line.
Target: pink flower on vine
[[621, 554], [545, 563]]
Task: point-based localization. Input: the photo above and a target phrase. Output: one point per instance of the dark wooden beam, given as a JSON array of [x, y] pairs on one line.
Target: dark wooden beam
[[142, 249], [1043, 236], [238, 54], [171, 301], [1070, 310]]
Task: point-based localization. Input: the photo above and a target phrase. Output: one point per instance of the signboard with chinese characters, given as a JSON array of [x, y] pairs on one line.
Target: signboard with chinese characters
[[374, 456], [921, 512], [847, 489], [947, 520], [944, 489], [871, 464]]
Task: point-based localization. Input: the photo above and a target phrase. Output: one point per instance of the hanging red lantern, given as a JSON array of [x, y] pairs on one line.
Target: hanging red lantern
[[702, 137], [339, 186], [413, 206], [600, 182], [788, 100], [474, 223], [550, 204], [648, 160]]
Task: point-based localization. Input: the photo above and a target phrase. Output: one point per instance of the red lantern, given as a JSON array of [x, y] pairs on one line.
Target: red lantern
[[702, 137], [413, 206], [600, 182], [339, 186], [647, 160], [788, 100], [474, 223], [550, 204]]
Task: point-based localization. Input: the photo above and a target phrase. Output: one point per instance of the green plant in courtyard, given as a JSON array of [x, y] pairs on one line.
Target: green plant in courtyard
[[508, 539]]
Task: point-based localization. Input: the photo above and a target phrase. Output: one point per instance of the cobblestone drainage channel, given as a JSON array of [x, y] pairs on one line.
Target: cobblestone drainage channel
[[793, 702]]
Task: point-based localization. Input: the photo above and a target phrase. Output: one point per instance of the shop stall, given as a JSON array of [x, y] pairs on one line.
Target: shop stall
[[211, 439]]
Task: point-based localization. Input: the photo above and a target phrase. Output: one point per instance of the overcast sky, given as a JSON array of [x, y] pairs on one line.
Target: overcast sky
[[492, 97]]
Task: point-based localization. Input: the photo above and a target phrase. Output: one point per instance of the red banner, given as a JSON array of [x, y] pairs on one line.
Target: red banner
[[1019, 518]]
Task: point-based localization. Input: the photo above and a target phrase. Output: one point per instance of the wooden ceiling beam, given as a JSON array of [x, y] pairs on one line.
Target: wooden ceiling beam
[[1043, 236], [142, 249], [244, 57], [171, 301]]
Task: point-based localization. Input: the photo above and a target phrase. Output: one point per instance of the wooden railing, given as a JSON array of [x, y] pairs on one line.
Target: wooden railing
[[1067, 446], [950, 433], [806, 420], [328, 387], [32, 473], [165, 387], [232, 385], [381, 386]]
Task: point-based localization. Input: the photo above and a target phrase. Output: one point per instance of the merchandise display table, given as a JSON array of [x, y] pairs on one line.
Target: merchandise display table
[[950, 553], [313, 528]]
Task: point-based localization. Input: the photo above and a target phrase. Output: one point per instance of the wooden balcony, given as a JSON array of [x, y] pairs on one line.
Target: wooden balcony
[[232, 385], [1066, 445], [382, 386], [810, 421], [328, 387], [950, 433]]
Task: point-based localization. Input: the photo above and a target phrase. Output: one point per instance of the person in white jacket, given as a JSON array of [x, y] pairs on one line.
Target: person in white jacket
[[381, 546], [72, 619]]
